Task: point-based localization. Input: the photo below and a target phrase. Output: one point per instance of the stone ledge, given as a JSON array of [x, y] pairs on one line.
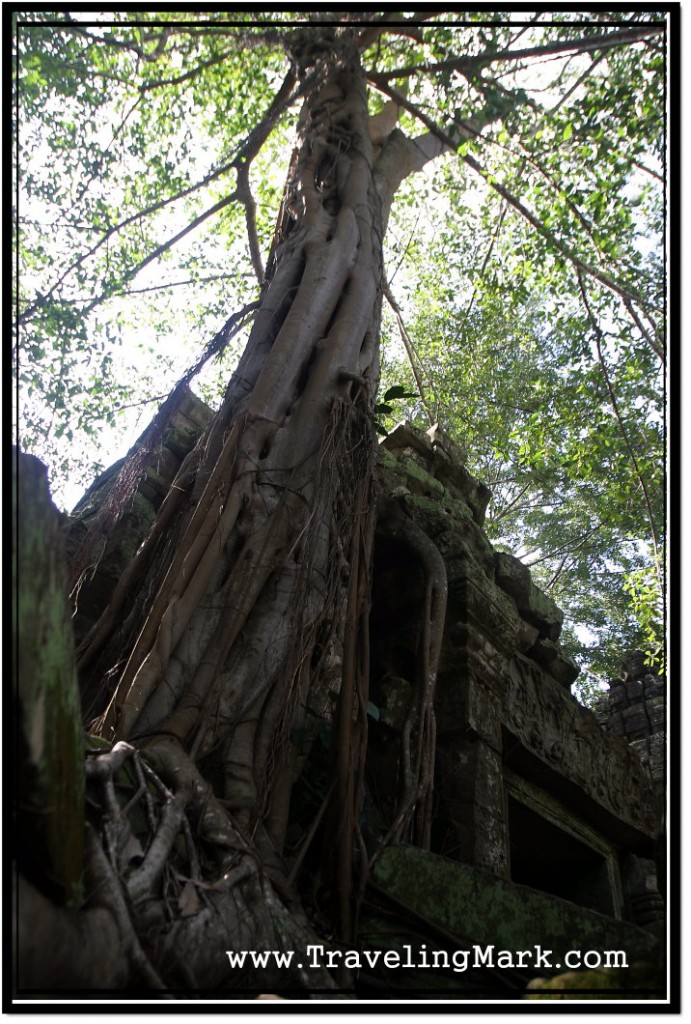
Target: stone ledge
[[443, 461], [480, 909], [534, 606]]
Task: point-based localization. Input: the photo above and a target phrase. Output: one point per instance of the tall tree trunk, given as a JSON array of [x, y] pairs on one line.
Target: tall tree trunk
[[243, 617], [251, 596]]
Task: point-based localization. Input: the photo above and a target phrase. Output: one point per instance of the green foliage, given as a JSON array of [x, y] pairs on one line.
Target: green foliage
[[643, 587], [559, 405], [395, 393], [528, 265], [121, 147]]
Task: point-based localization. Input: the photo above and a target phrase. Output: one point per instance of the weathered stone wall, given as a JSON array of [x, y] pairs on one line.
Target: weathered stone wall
[[48, 779], [530, 788], [179, 437], [545, 816], [503, 691], [480, 910], [513, 744], [635, 708]]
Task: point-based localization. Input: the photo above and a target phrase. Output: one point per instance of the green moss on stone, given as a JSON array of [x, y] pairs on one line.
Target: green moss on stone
[[641, 981], [50, 817], [487, 910]]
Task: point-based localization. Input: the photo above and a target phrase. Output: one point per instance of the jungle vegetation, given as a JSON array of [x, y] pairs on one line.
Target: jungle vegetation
[[327, 224]]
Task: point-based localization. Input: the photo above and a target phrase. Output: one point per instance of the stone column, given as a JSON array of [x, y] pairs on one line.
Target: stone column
[[474, 815]]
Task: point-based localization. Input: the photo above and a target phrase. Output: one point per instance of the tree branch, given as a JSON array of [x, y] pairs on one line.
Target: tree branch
[[158, 83], [488, 254], [451, 144], [647, 170], [244, 194], [165, 246], [622, 428], [659, 350], [115, 229], [407, 28], [569, 547], [99, 163], [409, 348], [111, 40], [245, 153], [180, 284], [585, 44], [507, 508]]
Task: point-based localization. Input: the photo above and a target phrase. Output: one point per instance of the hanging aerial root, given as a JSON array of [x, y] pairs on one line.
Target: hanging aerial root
[[352, 716], [94, 640], [205, 537], [418, 737], [348, 455], [316, 592]]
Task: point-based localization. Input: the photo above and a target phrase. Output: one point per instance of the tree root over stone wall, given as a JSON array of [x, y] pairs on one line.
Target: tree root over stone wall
[[416, 762], [149, 921]]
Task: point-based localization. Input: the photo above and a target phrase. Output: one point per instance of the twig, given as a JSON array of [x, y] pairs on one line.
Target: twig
[[192, 73], [583, 45], [532, 218], [622, 428], [164, 247], [658, 350], [244, 154], [570, 546], [493, 240], [410, 349]]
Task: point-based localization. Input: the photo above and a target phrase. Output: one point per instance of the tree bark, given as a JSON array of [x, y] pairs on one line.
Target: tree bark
[[256, 566], [250, 600]]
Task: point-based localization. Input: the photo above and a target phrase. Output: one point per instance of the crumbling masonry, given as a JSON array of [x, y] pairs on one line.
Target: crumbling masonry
[[545, 811]]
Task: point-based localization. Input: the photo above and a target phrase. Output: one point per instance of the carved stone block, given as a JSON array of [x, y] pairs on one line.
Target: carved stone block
[[534, 606], [568, 738]]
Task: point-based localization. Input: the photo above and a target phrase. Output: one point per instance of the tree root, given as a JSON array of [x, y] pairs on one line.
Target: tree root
[[58, 948], [161, 829], [418, 739]]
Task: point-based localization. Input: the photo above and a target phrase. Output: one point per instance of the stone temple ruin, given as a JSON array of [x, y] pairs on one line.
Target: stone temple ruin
[[548, 816]]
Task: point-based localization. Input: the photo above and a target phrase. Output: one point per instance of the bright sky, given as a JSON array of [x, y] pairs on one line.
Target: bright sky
[[133, 358]]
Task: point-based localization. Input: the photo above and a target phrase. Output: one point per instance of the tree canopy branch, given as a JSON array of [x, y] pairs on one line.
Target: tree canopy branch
[[245, 153], [165, 246], [192, 73], [622, 427], [451, 143], [585, 44]]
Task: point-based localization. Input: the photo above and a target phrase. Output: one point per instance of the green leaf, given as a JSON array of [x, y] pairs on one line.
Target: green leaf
[[506, 348], [396, 392]]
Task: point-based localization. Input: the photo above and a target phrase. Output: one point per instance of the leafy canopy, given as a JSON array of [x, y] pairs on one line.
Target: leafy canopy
[[526, 279]]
